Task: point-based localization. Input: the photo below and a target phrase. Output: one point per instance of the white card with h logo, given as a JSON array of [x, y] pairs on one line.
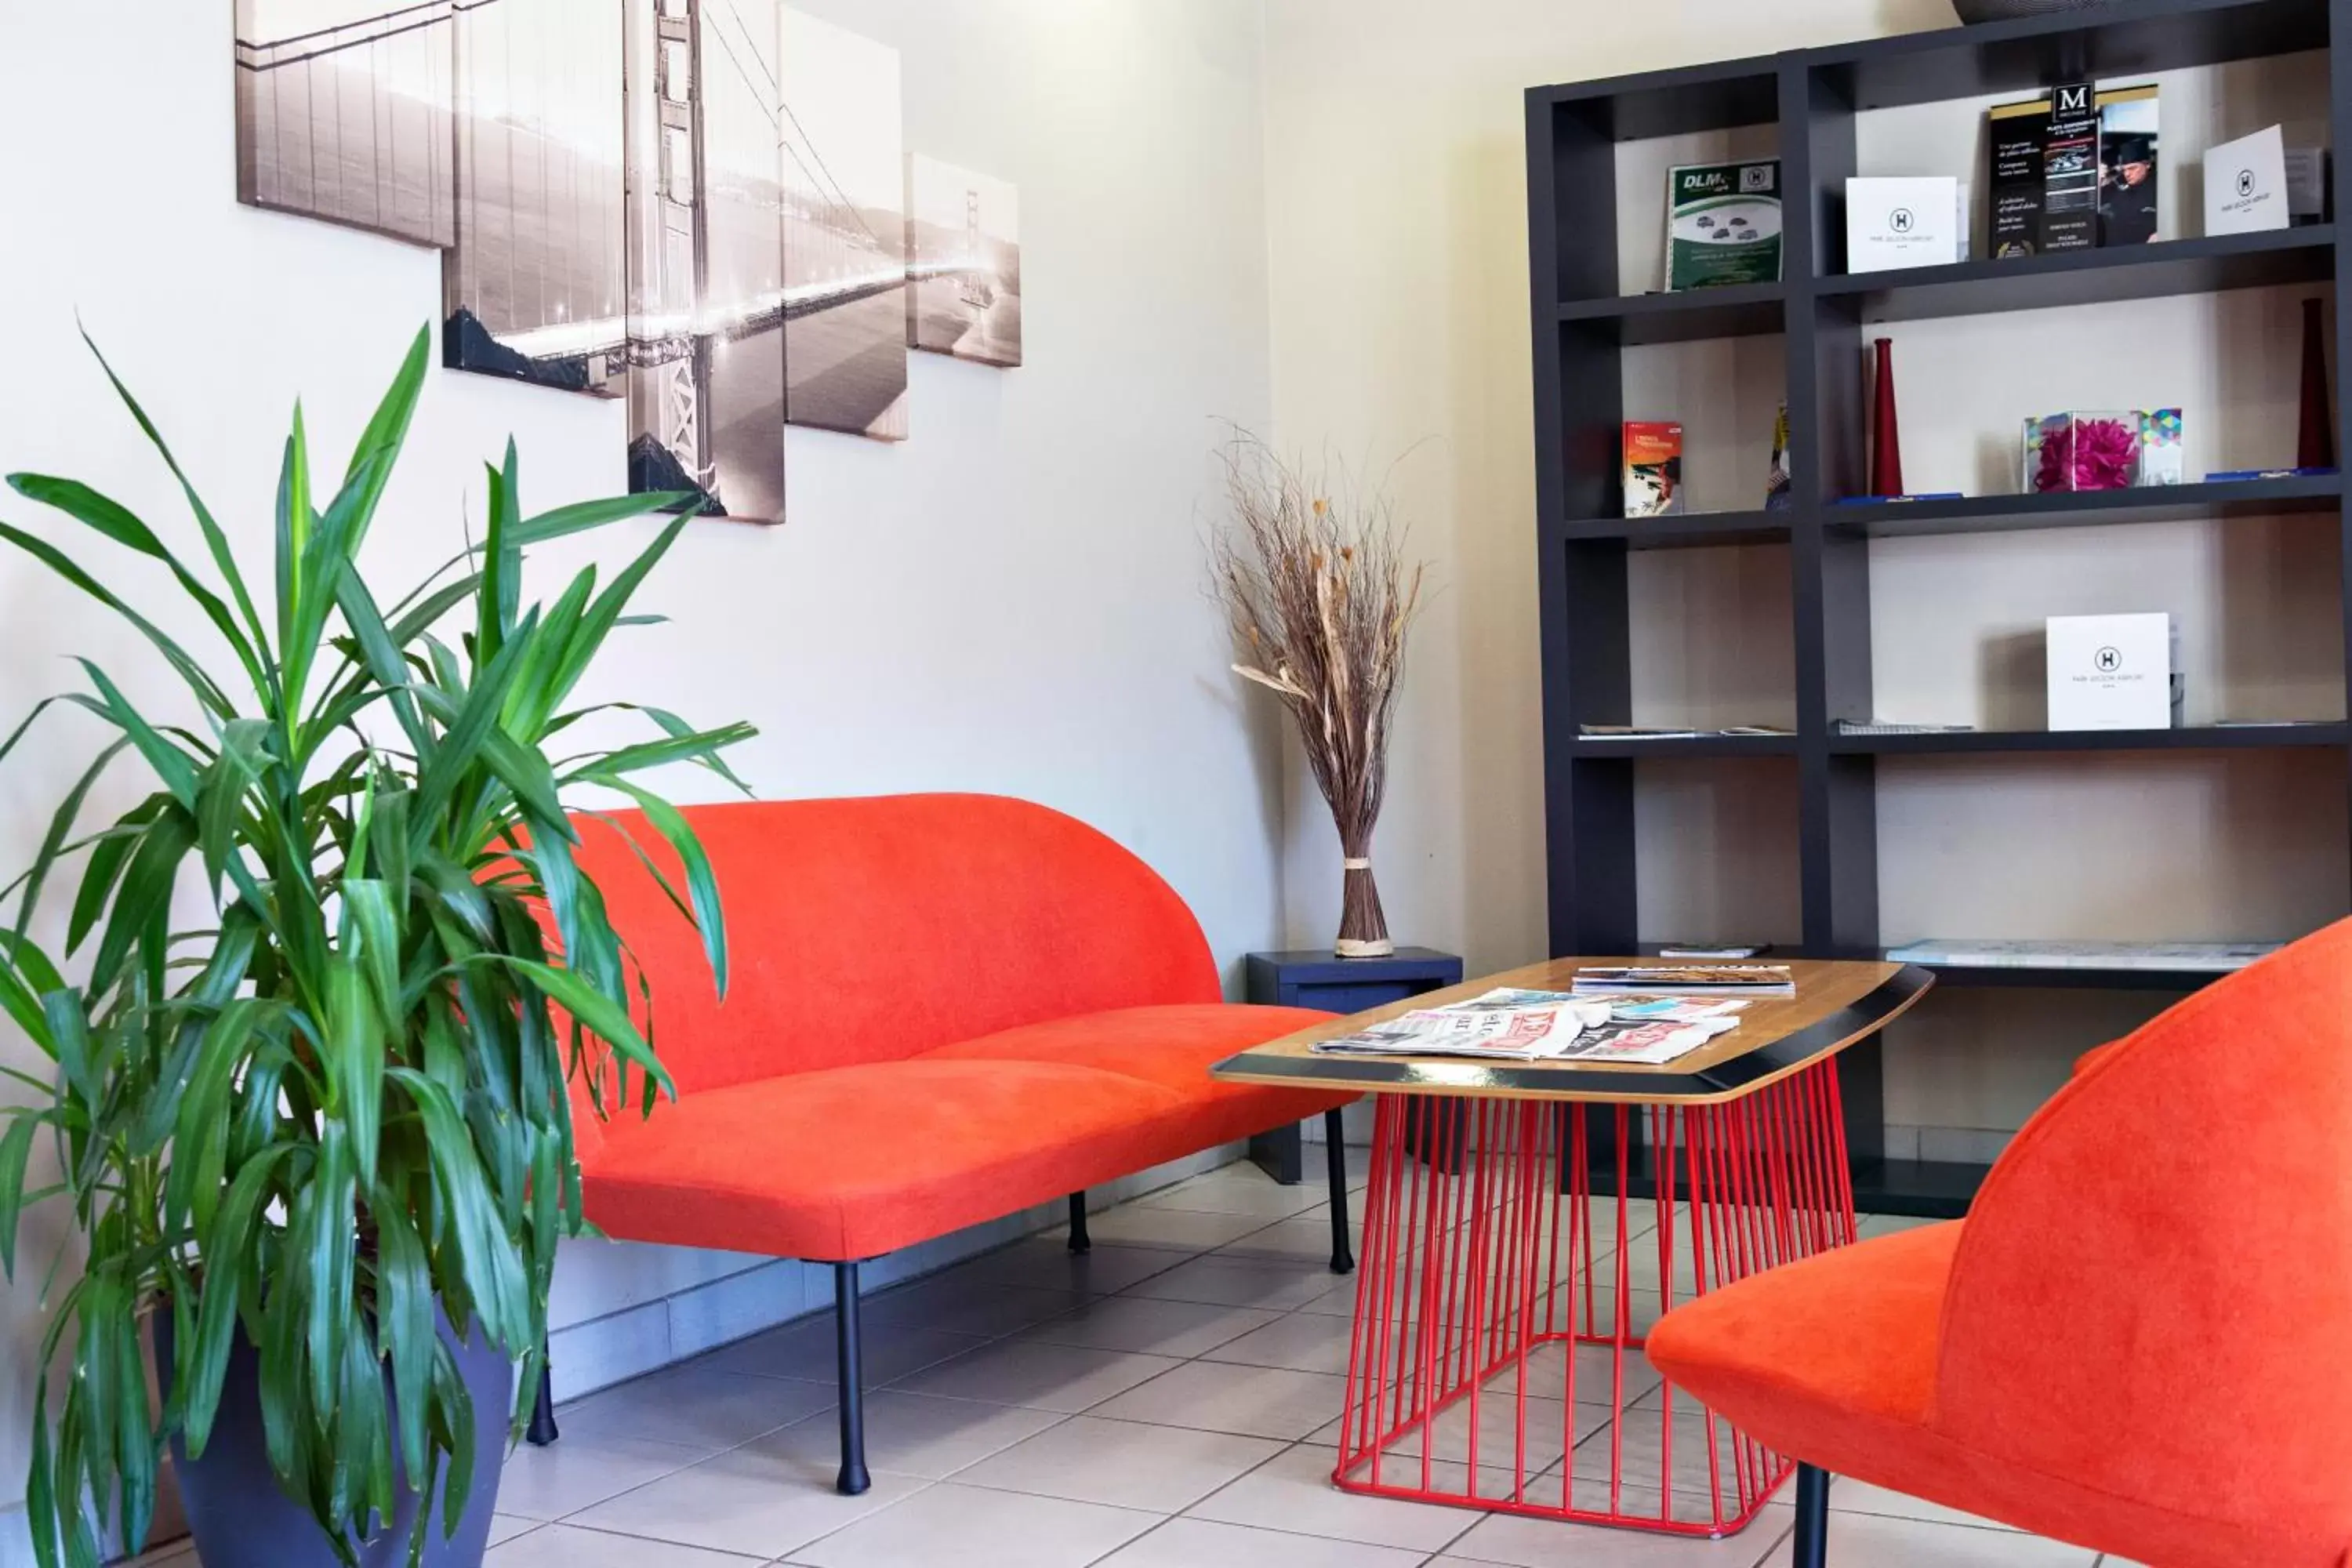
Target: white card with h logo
[[2110, 672], [2246, 184], [1911, 221]]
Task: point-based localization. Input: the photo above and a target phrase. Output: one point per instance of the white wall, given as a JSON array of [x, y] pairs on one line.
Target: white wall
[[1395, 176], [1011, 601]]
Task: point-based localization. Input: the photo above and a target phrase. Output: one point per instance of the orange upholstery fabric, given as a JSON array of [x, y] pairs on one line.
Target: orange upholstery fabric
[[944, 1008], [861, 1161], [1172, 1047], [2141, 1339], [872, 930], [852, 1162]]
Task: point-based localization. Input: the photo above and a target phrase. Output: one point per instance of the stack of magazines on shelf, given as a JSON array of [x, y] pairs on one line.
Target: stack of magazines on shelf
[[1517, 1025], [1674, 732], [2185, 957], [1687, 980]]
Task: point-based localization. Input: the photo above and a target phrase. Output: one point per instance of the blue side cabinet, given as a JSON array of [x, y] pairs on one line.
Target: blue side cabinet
[[1317, 979]]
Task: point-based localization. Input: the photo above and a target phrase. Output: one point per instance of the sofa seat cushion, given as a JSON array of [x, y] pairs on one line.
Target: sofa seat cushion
[[1833, 1361], [855, 1161], [1174, 1047], [850, 1162]]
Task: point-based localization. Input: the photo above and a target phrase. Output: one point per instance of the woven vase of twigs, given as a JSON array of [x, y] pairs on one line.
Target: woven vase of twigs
[[1313, 577]]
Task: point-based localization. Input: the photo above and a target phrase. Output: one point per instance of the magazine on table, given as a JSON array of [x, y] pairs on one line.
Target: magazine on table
[[1687, 980], [1512, 1024]]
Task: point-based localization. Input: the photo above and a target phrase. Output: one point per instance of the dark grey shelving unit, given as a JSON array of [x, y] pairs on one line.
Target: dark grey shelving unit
[[1582, 325]]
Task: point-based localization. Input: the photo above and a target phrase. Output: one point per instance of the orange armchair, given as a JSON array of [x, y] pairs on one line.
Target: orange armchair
[[2140, 1341]]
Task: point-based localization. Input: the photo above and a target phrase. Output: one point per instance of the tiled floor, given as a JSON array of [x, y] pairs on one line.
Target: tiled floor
[[1161, 1403]]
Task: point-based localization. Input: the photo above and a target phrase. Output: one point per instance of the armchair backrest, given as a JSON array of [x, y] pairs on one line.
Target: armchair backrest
[[2154, 1293]]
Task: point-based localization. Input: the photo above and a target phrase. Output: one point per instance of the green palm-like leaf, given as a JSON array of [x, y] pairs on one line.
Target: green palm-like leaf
[[339, 1112]]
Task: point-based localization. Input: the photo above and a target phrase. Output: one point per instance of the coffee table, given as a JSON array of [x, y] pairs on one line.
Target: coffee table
[[1506, 1283]]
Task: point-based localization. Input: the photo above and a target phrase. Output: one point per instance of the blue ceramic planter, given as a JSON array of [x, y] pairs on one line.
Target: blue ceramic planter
[[241, 1520]]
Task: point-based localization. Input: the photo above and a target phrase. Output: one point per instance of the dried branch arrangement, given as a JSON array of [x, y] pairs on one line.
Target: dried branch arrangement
[[1314, 580]]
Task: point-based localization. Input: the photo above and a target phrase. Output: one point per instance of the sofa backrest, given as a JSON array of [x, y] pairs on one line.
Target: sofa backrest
[[866, 930], [2154, 1293]]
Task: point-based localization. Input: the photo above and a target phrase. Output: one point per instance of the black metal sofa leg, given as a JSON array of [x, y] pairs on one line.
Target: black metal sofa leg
[[1812, 1517], [542, 1430], [851, 1370], [1335, 1154], [1080, 1240]]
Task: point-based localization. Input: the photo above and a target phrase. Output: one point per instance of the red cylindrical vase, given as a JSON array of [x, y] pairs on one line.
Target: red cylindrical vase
[[1885, 440], [2315, 443]]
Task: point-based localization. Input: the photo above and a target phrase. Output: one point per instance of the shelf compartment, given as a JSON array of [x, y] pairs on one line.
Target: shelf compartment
[[2072, 979], [2203, 266], [2088, 508], [2202, 737], [1733, 310], [1921, 1189], [1679, 102], [2105, 43], [1690, 530]]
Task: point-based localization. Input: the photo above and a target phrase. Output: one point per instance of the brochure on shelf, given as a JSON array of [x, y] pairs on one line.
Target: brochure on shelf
[[2129, 210], [1723, 224], [2070, 169]]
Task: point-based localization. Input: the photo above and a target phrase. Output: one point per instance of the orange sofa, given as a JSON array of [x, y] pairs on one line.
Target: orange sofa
[[2140, 1340], [943, 1008]]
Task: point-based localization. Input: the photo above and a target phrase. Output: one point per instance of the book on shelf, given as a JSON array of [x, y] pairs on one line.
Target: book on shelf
[[1634, 732], [2246, 476], [1686, 980], [2187, 957], [1671, 733], [1520, 1026], [1653, 468], [1780, 479], [1886, 727]]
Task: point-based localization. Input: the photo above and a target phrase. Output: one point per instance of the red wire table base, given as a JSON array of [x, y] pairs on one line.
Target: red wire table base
[[1497, 1361]]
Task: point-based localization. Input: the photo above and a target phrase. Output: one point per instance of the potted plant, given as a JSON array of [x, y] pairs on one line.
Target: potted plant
[[1314, 580], [323, 1140]]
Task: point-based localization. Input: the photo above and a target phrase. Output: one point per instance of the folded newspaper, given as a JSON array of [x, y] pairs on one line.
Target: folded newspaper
[[1517, 1025]]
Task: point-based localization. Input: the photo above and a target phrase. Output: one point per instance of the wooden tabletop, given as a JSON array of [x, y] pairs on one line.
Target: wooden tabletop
[[1836, 1003]]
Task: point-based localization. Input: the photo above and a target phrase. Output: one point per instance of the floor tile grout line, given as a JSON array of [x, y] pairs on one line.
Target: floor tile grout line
[[1179, 1256], [657, 1540]]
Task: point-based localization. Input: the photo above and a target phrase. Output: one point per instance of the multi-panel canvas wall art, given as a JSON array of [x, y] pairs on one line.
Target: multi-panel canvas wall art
[[963, 263], [534, 285], [844, 232], [706, 242], [698, 205], [343, 113]]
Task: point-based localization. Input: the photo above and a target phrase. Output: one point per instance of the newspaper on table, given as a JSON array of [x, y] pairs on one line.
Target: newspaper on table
[[1510, 1025]]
